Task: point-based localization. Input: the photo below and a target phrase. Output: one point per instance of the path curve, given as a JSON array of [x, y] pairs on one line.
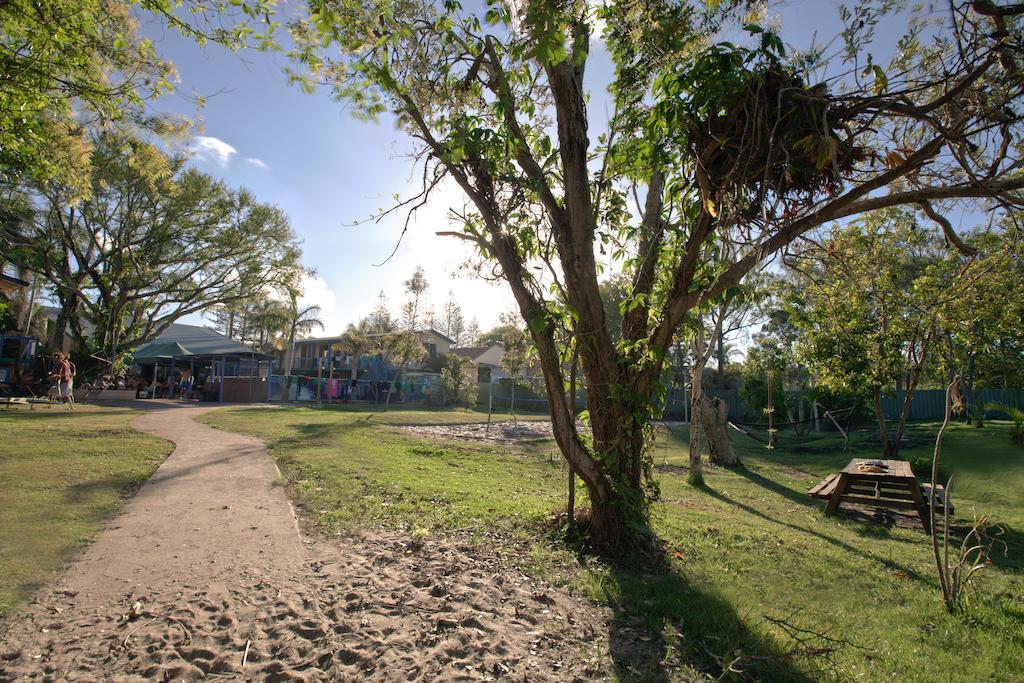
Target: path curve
[[211, 546], [211, 512]]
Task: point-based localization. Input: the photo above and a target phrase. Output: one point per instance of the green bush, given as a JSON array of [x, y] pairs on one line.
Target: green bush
[[1016, 417]]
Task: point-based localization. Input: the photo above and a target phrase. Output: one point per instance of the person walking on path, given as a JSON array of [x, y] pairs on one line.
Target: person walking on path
[[64, 373]]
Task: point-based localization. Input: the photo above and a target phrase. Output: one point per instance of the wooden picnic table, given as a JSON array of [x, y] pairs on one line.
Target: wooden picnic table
[[894, 487]]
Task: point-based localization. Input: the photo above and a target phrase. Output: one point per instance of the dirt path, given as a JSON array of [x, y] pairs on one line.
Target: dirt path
[[211, 547]]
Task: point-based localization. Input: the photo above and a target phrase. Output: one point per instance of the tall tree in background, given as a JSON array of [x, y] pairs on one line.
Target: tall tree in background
[[153, 242], [722, 143], [452, 322], [472, 333], [516, 354], [380, 318], [413, 309], [400, 350], [875, 306]]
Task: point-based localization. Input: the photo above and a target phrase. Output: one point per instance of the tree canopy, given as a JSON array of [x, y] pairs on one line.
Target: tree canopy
[[747, 145], [74, 66], [155, 240]]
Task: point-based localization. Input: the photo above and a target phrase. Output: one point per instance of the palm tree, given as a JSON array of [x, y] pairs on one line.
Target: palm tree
[[300, 320], [268, 319], [357, 343]]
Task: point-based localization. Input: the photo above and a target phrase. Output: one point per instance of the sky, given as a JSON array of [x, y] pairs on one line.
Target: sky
[[327, 171]]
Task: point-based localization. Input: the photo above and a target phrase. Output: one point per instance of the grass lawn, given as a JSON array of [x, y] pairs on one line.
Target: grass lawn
[[61, 475], [747, 549]]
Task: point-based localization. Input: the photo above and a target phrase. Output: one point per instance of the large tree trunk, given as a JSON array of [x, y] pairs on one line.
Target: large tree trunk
[[696, 476], [61, 325], [714, 418]]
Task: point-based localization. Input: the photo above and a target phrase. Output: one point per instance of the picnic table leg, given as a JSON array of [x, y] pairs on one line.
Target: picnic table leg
[[837, 492], [924, 509]]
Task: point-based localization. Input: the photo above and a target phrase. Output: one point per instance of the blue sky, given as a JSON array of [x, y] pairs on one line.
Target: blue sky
[[326, 169]]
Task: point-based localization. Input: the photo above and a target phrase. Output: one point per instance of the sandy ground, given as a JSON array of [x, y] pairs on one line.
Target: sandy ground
[[503, 431], [230, 588]]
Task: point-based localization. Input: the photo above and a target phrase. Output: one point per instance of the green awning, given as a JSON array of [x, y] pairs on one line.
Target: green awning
[[158, 350]]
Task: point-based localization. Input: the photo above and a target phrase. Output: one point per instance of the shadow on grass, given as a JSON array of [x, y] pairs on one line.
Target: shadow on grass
[[887, 563], [775, 487], [666, 629], [123, 486], [325, 432]]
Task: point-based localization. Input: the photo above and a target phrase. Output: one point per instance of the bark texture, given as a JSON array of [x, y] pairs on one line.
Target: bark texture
[[714, 418]]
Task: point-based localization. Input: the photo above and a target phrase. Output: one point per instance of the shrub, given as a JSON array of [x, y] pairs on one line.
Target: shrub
[[1016, 417]]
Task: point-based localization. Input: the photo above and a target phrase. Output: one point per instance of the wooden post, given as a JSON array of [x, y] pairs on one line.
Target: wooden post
[[330, 370], [319, 374], [223, 373], [490, 404]]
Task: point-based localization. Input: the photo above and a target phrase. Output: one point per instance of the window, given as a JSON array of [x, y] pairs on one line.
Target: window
[[483, 374], [432, 350]]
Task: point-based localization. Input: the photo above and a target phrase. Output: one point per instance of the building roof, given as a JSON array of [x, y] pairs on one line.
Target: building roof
[[313, 340], [474, 352], [372, 335], [204, 341], [10, 279], [442, 335], [470, 352]]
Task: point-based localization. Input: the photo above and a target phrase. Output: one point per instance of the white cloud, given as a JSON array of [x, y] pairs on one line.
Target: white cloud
[[213, 149], [258, 163], [316, 292]]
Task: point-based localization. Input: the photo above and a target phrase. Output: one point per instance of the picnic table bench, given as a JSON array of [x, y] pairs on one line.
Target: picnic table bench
[[22, 393], [882, 484]]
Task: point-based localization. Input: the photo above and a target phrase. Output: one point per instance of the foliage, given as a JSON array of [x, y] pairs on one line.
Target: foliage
[[740, 145], [154, 241], [402, 349], [380, 318], [357, 343], [412, 310], [516, 350], [956, 575], [983, 338], [495, 335], [458, 381], [74, 65], [907, 284], [1016, 416], [297, 320], [452, 323], [615, 292], [8, 319], [762, 358]]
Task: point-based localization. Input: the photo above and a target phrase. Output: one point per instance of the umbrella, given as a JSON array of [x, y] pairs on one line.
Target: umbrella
[[157, 350]]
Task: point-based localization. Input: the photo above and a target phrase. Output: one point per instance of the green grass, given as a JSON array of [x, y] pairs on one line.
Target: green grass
[[61, 475], [393, 478], [748, 547]]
